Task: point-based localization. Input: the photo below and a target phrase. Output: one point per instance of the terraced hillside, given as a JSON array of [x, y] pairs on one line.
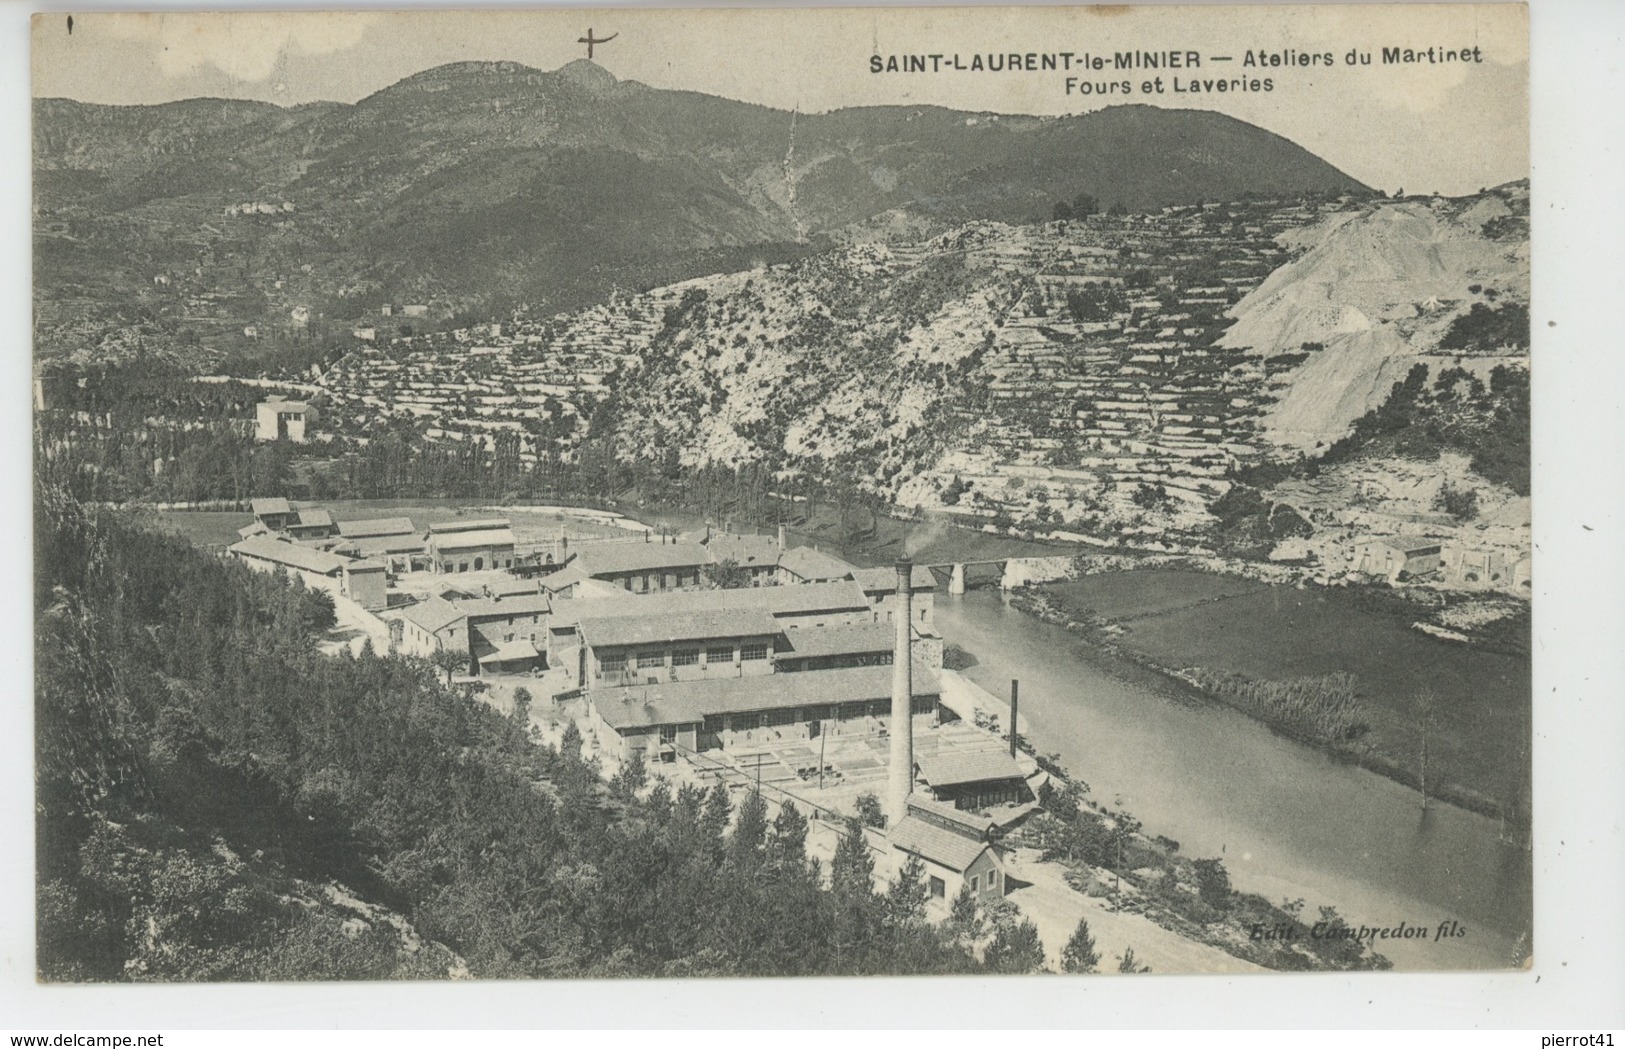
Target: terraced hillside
[[1108, 378], [1083, 351], [538, 378]]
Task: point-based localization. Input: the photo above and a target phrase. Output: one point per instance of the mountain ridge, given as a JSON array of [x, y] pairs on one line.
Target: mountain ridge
[[476, 186]]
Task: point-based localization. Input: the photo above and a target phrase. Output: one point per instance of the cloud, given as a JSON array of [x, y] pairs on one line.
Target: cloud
[[245, 47]]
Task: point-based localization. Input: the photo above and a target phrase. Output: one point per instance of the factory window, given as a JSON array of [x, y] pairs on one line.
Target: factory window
[[780, 717], [668, 733], [975, 885], [749, 652], [685, 657], [939, 888], [479, 563], [719, 654], [993, 883], [462, 566], [613, 664]]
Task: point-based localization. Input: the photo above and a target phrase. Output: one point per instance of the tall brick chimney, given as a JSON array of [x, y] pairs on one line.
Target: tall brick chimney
[[901, 782]]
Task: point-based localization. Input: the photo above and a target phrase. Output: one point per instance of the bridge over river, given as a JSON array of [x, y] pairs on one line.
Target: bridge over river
[[1007, 573]]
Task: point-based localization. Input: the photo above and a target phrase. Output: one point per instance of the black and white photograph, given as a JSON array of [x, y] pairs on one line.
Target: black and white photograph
[[566, 494]]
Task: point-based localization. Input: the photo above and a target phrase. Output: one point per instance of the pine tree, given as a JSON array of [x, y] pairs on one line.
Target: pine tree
[[630, 778], [852, 874], [521, 707], [750, 832], [1015, 949], [869, 810], [965, 923], [788, 847], [570, 743], [1127, 964], [718, 812], [1079, 955], [906, 896]]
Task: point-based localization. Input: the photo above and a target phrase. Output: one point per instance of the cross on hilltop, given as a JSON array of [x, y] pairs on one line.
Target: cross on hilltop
[[589, 40]]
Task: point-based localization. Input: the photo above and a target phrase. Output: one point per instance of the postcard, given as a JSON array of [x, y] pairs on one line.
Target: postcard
[[585, 494]]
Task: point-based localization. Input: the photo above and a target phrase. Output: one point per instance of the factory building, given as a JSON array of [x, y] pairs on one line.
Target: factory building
[[644, 568], [462, 546], [665, 719]]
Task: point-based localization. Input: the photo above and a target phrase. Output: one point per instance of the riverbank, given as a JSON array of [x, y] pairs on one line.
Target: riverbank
[[1296, 660], [1103, 855], [1290, 821]]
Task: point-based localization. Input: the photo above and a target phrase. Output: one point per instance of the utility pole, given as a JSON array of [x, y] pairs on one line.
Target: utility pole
[[1118, 873], [1015, 703], [758, 767]]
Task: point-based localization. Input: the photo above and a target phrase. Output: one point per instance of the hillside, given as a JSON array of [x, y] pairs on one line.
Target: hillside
[[1110, 378], [1082, 352], [476, 186], [1379, 291]]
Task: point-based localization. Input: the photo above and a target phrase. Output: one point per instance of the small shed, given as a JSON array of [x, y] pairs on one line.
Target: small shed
[[312, 523], [1388, 556], [365, 583], [273, 513], [974, 780], [951, 860], [277, 418]]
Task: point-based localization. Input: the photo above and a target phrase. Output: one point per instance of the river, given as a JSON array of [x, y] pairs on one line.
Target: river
[[1288, 821]]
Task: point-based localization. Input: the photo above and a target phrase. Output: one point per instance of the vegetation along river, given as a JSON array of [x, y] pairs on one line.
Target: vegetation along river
[[1288, 821]]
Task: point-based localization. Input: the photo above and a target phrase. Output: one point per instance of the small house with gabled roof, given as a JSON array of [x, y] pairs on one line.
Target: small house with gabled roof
[[953, 857]]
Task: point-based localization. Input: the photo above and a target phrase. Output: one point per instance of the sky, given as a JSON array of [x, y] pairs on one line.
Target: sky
[[1450, 128]]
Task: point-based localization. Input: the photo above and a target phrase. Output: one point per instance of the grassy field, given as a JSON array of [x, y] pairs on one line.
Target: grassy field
[[1120, 596], [869, 541], [211, 528], [1271, 633], [883, 540]]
